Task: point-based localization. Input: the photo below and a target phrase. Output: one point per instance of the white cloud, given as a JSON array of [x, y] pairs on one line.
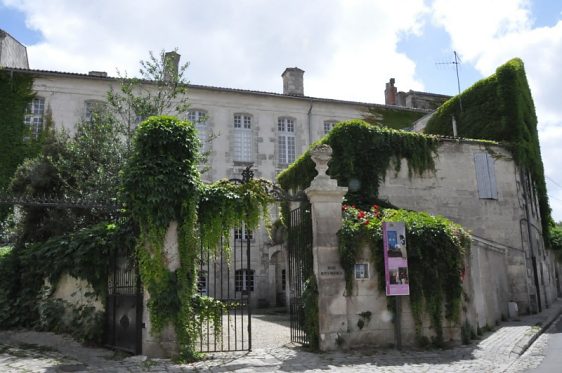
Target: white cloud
[[347, 48], [489, 33]]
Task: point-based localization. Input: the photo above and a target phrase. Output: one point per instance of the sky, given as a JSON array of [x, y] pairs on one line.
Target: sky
[[349, 49]]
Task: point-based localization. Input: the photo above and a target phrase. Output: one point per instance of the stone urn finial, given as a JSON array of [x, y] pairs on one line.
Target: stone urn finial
[[321, 155]]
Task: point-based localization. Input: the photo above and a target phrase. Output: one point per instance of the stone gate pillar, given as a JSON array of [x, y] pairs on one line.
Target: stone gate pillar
[[326, 200], [163, 344]]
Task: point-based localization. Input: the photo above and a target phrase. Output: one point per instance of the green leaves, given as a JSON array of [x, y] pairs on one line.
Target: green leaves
[[436, 251], [162, 171], [364, 152]]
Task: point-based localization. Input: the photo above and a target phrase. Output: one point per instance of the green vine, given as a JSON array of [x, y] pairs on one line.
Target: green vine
[[161, 184], [310, 312], [15, 93], [355, 144], [84, 255], [501, 108], [436, 251]]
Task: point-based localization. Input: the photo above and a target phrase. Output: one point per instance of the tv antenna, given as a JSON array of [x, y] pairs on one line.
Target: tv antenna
[[456, 62]]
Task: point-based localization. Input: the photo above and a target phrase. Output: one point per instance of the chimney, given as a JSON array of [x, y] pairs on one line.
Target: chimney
[[171, 62], [390, 93], [293, 81]]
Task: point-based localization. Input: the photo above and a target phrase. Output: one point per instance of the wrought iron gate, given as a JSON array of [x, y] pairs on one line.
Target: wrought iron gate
[[124, 304], [230, 279], [300, 267]]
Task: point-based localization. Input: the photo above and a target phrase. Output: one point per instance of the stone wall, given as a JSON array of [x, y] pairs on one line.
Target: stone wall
[[504, 221]]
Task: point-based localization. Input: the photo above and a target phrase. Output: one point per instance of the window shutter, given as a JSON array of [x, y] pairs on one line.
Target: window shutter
[[485, 176]]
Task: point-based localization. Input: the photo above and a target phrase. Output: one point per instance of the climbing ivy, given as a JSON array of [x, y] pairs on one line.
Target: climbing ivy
[[15, 93], [436, 251], [161, 184], [356, 144], [397, 118], [83, 254], [500, 108]]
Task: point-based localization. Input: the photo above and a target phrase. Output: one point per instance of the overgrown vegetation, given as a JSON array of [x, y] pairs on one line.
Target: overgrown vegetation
[[356, 144], [160, 90], [436, 251], [83, 255], [15, 94], [162, 185], [501, 108], [392, 118]]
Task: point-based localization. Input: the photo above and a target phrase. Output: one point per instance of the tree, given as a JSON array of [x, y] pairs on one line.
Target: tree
[[160, 90], [85, 166]]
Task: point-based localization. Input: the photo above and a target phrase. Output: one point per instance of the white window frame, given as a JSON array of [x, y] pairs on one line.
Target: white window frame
[[34, 115], [329, 125], [244, 280], [242, 138], [243, 233], [202, 283], [286, 141], [199, 119], [90, 107]]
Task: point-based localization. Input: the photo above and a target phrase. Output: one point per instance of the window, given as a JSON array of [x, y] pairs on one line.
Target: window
[[202, 283], [328, 125], [243, 233], [34, 116], [244, 280], [283, 279], [199, 119], [286, 140], [91, 108], [242, 146], [361, 271], [485, 176]]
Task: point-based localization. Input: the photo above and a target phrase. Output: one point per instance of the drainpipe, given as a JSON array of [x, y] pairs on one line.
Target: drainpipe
[[310, 122], [525, 182]]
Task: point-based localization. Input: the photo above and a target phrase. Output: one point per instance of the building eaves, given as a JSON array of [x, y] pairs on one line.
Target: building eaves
[[223, 89]]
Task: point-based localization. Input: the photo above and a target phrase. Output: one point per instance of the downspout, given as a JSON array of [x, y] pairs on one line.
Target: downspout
[[525, 183], [310, 122]]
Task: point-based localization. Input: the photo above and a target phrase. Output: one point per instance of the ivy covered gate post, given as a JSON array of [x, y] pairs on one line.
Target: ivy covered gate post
[[162, 342], [326, 201]]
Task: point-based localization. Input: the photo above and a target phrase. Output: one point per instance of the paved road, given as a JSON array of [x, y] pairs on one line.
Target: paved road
[[552, 361], [27, 351]]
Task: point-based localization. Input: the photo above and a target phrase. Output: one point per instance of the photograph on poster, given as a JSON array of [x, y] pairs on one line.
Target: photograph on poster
[[399, 276], [396, 244]]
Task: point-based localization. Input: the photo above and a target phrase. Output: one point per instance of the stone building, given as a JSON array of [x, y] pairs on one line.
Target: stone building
[[264, 129]]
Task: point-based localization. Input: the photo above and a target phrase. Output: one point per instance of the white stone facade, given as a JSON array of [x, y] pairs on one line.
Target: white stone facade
[[267, 130]]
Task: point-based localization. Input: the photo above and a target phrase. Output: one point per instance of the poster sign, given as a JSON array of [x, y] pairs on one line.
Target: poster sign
[[395, 259]]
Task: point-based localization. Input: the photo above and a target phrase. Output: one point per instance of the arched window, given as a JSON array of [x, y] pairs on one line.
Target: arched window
[[34, 116], [286, 140], [242, 139], [244, 280]]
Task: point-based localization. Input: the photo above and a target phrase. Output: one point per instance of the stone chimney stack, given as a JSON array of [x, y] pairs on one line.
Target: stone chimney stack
[[293, 81], [390, 93], [171, 62]]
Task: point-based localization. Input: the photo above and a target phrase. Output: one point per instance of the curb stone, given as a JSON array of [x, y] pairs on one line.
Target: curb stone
[[523, 344]]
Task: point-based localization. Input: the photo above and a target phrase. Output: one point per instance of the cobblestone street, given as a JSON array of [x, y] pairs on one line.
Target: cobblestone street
[[497, 351]]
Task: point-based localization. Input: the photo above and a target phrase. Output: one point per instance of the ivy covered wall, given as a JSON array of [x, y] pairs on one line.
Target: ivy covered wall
[[500, 108], [15, 93]]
